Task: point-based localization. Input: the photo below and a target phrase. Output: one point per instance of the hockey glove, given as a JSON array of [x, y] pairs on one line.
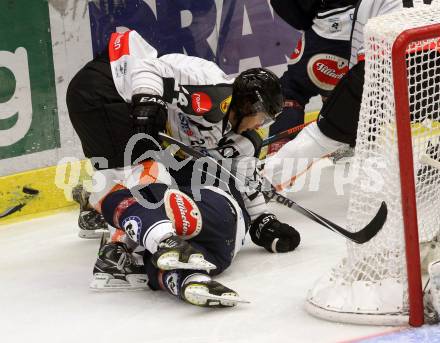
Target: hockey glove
[[149, 114], [247, 144], [268, 232]]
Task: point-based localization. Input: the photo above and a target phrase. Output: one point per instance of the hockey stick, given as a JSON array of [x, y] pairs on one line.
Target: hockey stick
[[285, 134], [425, 159], [30, 194], [359, 237]]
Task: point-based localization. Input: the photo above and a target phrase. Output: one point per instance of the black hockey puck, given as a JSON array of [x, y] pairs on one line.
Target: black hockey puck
[[28, 190]]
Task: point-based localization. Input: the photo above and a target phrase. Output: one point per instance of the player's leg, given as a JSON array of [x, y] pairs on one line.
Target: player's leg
[[216, 237], [147, 223], [336, 128], [119, 265], [192, 286], [100, 118]]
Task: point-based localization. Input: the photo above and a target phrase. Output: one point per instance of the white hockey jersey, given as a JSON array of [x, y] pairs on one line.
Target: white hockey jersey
[[197, 91], [365, 10]]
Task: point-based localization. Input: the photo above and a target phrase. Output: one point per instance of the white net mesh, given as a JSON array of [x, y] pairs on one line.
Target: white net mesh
[[371, 281]]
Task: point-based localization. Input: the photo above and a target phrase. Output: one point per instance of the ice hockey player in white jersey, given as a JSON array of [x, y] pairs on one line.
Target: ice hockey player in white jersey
[[130, 89], [337, 122]]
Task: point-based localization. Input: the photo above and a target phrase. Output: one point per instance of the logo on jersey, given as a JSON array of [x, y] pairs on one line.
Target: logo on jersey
[[132, 227], [172, 282], [299, 50], [335, 25], [184, 124], [184, 213], [325, 70], [224, 105], [201, 103], [118, 45]]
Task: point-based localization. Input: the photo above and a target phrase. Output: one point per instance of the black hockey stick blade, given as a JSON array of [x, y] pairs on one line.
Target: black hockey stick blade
[[359, 237], [366, 233], [30, 193], [11, 210]]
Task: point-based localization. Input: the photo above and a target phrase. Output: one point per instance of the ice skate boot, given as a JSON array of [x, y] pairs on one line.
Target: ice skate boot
[[200, 290], [176, 253], [91, 223], [434, 285], [116, 268]]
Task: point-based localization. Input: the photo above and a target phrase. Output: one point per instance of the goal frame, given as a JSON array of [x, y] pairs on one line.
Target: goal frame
[[406, 162]]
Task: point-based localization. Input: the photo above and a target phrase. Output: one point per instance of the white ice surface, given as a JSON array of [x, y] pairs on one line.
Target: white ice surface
[[45, 270]]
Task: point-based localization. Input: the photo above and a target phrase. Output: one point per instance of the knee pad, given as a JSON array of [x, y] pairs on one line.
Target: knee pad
[[183, 212]]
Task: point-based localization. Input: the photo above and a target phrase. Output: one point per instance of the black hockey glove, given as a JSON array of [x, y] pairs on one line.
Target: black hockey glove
[[149, 114], [269, 233]]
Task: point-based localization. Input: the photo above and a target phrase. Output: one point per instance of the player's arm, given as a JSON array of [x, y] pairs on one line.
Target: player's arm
[[266, 230], [297, 13]]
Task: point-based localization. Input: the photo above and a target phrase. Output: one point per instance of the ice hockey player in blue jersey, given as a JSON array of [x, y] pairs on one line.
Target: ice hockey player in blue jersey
[[188, 231], [320, 58]]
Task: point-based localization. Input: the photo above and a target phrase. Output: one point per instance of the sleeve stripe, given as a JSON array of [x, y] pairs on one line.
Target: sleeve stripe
[[118, 45]]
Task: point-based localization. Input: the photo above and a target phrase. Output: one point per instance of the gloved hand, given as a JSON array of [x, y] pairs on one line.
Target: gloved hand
[[247, 144], [268, 232], [149, 114]]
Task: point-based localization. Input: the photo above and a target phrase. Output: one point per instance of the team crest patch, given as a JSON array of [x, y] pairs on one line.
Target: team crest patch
[[325, 70], [184, 213], [172, 282], [224, 105], [132, 226], [201, 103]]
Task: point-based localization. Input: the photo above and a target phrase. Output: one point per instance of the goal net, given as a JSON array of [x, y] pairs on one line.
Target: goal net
[[396, 161]]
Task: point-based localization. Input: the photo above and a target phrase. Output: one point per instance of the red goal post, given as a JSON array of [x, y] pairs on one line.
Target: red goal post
[[380, 282], [406, 161]]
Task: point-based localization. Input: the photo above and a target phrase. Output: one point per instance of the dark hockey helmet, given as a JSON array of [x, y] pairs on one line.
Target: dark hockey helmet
[[257, 90]]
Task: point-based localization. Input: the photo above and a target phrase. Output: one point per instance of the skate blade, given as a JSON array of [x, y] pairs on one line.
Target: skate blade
[[199, 296], [106, 282], [91, 234], [170, 262]]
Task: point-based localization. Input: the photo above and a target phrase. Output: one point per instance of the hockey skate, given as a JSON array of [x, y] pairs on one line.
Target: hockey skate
[[209, 293], [175, 253], [434, 286], [117, 269], [91, 224]]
